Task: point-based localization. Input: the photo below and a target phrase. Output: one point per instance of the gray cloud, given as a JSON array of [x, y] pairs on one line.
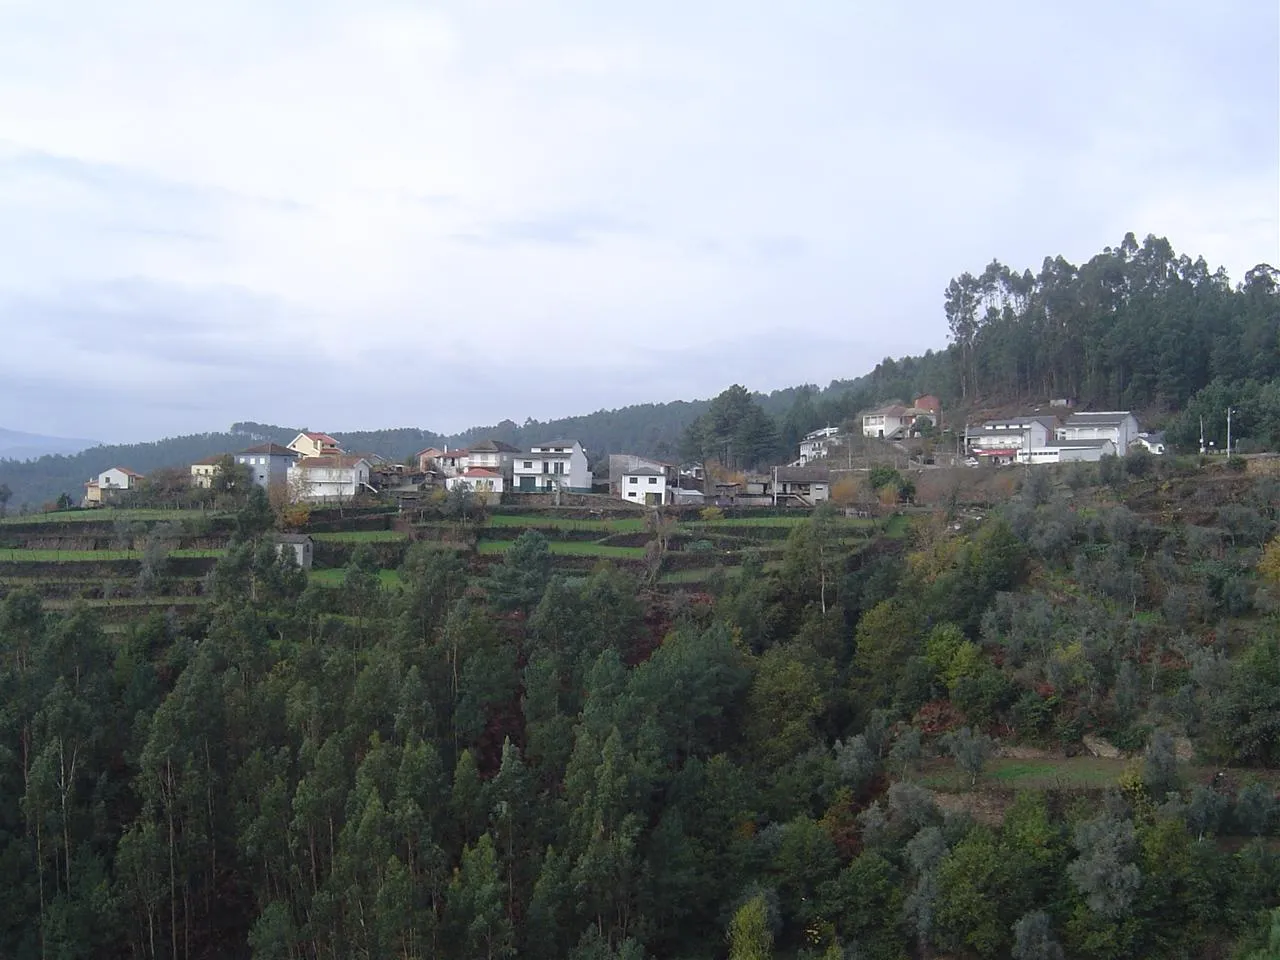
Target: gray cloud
[[567, 229]]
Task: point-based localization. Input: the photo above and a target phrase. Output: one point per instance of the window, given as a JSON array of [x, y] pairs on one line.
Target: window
[[633, 479], [653, 479], [559, 466], [528, 465]]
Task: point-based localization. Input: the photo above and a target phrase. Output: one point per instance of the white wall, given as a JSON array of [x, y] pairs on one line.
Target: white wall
[[573, 468], [114, 479], [322, 483], [493, 484], [1121, 435], [636, 487], [880, 425]]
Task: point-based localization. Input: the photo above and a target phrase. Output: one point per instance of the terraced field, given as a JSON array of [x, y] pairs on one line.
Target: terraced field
[[361, 536], [107, 578], [73, 556], [566, 548], [104, 515]]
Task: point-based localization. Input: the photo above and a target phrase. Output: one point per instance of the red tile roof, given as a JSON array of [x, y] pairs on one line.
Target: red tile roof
[[481, 472]]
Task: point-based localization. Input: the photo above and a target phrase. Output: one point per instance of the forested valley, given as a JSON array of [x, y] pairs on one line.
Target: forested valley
[[818, 758], [1136, 327]]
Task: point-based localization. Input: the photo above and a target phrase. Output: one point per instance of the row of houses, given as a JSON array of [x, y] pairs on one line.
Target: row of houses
[[650, 482], [493, 467], [1082, 437], [314, 468]]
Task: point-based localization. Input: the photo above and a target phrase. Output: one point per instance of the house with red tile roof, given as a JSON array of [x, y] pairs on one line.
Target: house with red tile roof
[[109, 484], [310, 444], [486, 484]]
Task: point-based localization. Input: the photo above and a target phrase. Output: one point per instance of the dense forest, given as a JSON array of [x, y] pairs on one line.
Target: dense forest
[[1136, 327], [519, 763]]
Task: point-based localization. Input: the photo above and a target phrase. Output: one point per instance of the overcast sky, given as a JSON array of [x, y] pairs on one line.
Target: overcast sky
[[364, 214]]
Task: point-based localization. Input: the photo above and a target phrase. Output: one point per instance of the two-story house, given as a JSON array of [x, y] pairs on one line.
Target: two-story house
[[267, 463], [554, 465], [818, 444], [203, 471], [109, 484], [886, 422], [1118, 426], [335, 477], [896, 421], [492, 455], [1011, 439], [621, 464], [647, 485], [311, 444]]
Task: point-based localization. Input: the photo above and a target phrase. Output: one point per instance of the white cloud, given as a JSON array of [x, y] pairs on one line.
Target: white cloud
[[477, 185]]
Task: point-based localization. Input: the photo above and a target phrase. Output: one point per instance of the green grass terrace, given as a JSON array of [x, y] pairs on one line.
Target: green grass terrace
[[71, 556], [361, 536], [567, 549], [105, 514]]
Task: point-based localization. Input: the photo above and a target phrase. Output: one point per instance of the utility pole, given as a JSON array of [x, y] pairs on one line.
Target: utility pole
[[1228, 431], [1202, 447]]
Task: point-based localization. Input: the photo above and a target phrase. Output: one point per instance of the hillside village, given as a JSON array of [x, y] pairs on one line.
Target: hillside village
[[313, 468], [1024, 687]]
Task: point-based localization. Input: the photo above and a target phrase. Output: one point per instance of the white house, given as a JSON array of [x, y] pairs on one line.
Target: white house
[[311, 444], [895, 421], [1010, 439], [556, 464], [886, 422], [646, 485], [620, 464], [203, 472], [1118, 426], [110, 484], [486, 484], [817, 445], [333, 477], [1151, 442]]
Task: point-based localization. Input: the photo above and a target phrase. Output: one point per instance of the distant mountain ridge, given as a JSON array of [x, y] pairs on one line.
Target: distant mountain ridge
[[19, 445], [652, 429]]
